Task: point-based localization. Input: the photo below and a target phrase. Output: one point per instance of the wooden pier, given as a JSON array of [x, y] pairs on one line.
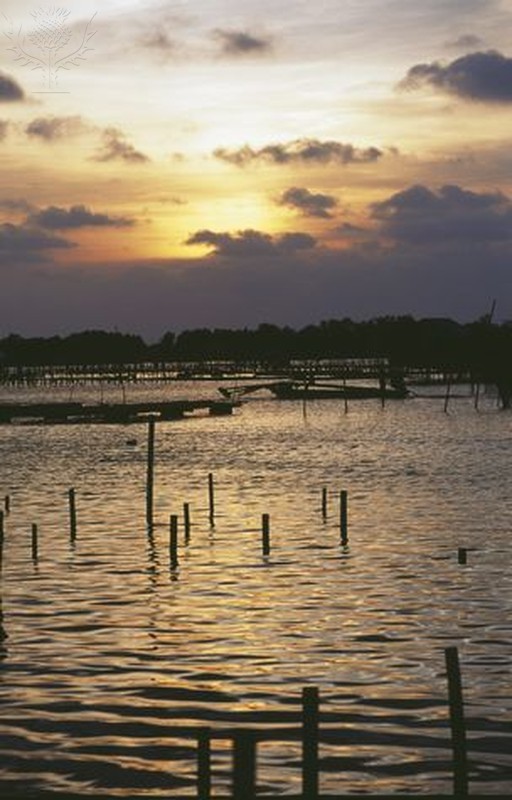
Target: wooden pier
[[244, 369], [76, 413]]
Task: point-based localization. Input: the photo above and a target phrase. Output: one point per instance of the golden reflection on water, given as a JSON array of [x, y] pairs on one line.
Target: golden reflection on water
[[135, 647]]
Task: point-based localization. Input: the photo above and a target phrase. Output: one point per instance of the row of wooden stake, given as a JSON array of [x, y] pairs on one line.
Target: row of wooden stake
[[174, 522], [265, 527]]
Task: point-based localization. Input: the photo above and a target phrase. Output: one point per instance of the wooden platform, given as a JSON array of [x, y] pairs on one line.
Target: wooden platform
[[76, 413]]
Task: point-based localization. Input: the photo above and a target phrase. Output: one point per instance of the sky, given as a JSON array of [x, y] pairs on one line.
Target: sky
[[226, 163]]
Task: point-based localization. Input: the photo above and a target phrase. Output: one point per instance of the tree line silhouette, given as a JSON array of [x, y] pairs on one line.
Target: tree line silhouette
[[405, 341]]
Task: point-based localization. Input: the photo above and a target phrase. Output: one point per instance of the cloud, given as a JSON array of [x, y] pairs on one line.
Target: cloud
[[296, 289], [350, 232], [242, 43], [116, 148], [27, 242], [480, 76], [10, 91], [78, 216], [450, 254], [308, 203], [302, 151], [420, 216], [252, 243], [466, 41], [16, 204], [51, 128], [159, 43]]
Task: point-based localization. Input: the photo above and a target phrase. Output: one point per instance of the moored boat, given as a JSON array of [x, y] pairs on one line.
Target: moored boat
[[303, 389]]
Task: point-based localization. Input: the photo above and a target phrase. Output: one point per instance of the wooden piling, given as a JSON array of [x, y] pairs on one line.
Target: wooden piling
[[447, 397], [72, 514], [173, 542], [1, 536], [244, 766], [310, 716], [204, 774], [324, 503], [265, 534], [34, 542], [462, 554], [477, 396], [344, 517], [211, 499], [186, 520], [457, 723], [150, 472], [7, 503]]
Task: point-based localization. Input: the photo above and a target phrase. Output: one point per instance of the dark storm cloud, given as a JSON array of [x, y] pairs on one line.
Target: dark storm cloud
[[252, 243], [10, 91], [481, 76], [27, 242], [241, 43], [51, 128], [116, 148], [78, 216], [308, 203], [303, 151], [420, 216]]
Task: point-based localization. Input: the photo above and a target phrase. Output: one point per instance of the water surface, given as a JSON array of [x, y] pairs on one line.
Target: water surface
[[112, 658]]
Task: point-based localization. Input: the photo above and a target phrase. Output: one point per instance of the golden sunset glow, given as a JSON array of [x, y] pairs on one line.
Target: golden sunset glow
[[241, 140]]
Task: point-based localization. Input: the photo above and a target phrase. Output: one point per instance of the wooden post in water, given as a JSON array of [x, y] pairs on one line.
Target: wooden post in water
[[462, 555], [7, 503], [324, 502], [204, 773], [173, 542], [477, 395], [211, 499], [34, 542], [345, 398], [72, 515], [310, 709], [265, 534], [186, 520], [447, 396], [1, 536], [457, 724], [344, 517], [382, 386], [244, 766], [150, 472]]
